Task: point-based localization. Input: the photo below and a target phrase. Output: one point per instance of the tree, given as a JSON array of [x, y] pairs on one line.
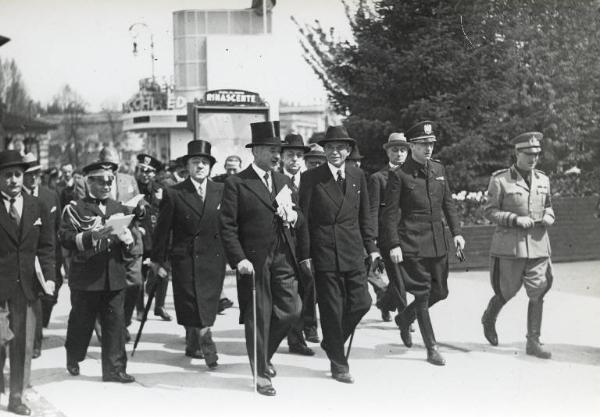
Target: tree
[[483, 70], [13, 93]]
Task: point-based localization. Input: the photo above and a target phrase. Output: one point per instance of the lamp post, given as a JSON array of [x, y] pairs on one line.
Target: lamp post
[[133, 31]]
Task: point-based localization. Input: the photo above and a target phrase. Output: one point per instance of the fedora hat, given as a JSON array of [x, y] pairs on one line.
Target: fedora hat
[[32, 162], [336, 134], [265, 134], [10, 159], [198, 148], [294, 141], [396, 139], [316, 151]]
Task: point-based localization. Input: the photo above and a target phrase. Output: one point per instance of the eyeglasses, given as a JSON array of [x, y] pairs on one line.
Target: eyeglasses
[[103, 182]]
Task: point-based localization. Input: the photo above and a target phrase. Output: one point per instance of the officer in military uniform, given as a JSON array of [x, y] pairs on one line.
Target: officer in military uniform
[[519, 204], [417, 198]]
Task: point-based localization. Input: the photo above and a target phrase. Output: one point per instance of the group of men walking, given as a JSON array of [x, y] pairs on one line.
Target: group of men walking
[[300, 238]]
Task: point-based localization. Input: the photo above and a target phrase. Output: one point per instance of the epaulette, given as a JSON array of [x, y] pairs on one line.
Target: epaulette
[[500, 171]]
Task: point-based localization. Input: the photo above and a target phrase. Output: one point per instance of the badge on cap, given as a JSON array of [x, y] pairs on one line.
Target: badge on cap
[[147, 160], [427, 129]]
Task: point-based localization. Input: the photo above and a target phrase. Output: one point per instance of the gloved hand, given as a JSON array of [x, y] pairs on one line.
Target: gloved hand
[[125, 236], [396, 255], [547, 220]]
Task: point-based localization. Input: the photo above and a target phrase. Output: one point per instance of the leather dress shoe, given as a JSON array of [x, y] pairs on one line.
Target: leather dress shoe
[[162, 313], [121, 376], [435, 357], [18, 408], [267, 390], [271, 371], [405, 330], [344, 377], [73, 368], [224, 304], [301, 349], [386, 316], [311, 335], [36, 353], [196, 354]]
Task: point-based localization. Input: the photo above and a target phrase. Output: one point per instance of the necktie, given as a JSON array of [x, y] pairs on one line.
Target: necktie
[[13, 212], [267, 182], [340, 180], [201, 194]]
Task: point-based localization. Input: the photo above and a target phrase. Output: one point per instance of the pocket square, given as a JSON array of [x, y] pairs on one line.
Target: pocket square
[[53, 209], [38, 222]]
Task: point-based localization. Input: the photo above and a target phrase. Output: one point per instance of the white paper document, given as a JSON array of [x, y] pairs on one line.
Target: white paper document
[[118, 222], [284, 197], [40, 276], [134, 201]]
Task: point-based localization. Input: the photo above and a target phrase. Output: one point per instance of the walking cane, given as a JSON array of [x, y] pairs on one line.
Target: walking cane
[[151, 295], [350, 344], [255, 327]]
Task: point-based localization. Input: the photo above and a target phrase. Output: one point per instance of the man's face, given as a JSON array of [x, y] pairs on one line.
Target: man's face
[[527, 160], [199, 167], [31, 180], [292, 160], [336, 152], [144, 174], [100, 186], [397, 154], [421, 152], [232, 166], [11, 180], [67, 171], [313, 162], [266, 157]]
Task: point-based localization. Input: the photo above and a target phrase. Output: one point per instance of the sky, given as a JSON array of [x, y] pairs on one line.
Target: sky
[[87, 44]]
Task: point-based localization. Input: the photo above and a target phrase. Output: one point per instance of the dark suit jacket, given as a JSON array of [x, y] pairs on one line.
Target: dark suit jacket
[[377, 184], [51, 201], [94, 268], [249, 224], [416, 201], [196, 253], [337, 227], [18, 249]]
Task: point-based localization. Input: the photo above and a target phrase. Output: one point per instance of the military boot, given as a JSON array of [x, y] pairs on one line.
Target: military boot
[[489, 319], [403, 321], [433, 355], [534, 325]]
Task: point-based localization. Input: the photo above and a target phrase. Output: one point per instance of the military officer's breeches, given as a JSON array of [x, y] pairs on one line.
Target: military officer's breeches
[[426, 278], [509, 274]]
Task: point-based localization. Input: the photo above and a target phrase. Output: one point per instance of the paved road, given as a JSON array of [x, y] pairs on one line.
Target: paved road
[[479, 380]]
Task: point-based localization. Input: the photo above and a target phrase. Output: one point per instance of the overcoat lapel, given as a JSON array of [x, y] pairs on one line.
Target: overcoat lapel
[[8, 225], [27, 219], [257, 187], [190, 196], [352, 187], [330, 187]]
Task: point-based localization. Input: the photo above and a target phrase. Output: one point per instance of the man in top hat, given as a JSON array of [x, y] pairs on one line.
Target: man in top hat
[[256, 231], [26, 232], [97, 278], [43, 306], [146, 169], [332, 242], [396, 149], [315, 156], [417, 198], [519, 204], [292, 166], [187, 234]]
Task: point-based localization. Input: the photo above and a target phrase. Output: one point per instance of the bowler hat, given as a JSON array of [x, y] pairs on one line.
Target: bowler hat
[[198, 148], [336, 134], [294, 141], [12, 159], [422, 132], [265, 134], [396, 139], [148, 161], [529, 141]]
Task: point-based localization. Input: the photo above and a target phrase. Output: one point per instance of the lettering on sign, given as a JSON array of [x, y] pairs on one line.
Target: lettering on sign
[[232, 97]]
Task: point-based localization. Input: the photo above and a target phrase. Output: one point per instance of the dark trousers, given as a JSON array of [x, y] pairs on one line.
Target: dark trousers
[[343, 299], [85, 307], [427, 280], [18, 307], [308, 316], [278, 305]]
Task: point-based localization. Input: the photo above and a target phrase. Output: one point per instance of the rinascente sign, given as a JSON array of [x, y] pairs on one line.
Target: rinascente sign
[[232, 97]]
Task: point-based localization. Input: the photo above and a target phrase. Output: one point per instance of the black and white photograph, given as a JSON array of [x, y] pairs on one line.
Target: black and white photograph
[[300, 208]]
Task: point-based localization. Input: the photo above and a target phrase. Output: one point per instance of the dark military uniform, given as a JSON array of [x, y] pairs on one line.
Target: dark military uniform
[[417, 200]]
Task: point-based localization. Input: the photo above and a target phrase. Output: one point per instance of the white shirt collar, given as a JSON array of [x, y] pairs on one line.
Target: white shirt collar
[[199, 185], [6, 197], [392, 166], [334, 170], [261, 172]]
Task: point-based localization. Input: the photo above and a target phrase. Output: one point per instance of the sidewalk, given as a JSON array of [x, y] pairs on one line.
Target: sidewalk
[[478, 380]]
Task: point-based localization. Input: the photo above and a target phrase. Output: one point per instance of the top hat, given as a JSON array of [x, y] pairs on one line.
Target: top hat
[[294, 141], [148, 161], [32, 162], [528, 141], [100, 169], [316, 151], [336, 134], [265, 134], [198, 148], [355, 155], [12, 159], [422, 132], [396, 139]]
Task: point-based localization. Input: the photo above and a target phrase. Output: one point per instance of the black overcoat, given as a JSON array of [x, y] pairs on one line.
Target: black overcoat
[[196, 252]]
